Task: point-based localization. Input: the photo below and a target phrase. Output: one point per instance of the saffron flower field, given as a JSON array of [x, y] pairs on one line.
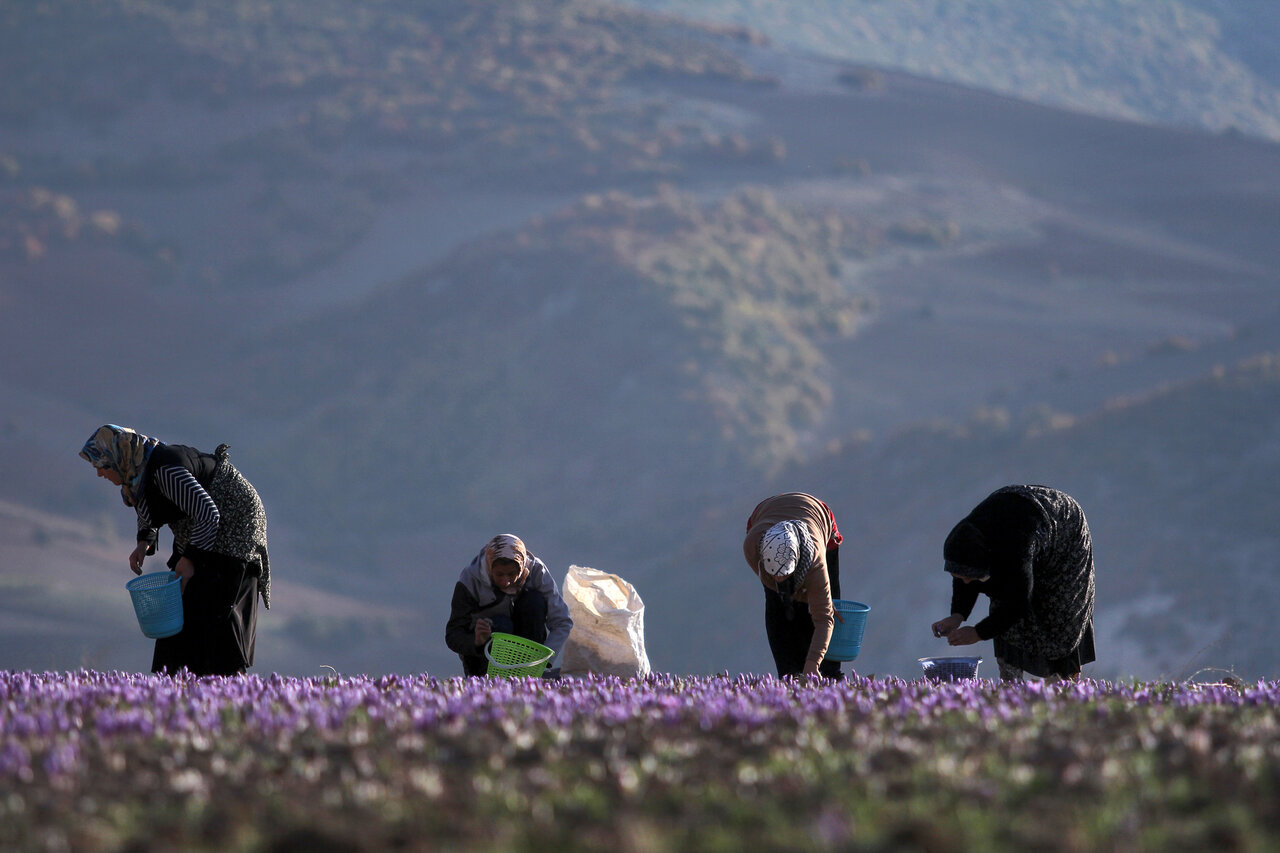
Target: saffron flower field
[[113, 761]]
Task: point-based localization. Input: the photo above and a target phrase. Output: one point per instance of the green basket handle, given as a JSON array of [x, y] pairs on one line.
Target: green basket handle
[[500, 665]]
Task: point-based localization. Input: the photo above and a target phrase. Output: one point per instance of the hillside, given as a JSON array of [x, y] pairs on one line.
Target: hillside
[[1207, 64], [602, 345], [295, 122], [605, 280], [1175, 485]]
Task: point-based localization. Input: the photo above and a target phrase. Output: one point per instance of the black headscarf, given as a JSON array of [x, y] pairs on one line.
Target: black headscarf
[[965, 553]]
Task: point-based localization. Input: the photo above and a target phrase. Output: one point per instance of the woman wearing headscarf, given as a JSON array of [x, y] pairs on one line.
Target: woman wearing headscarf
[[219, 543], [1028, 549], [507, 589], [793, 546]]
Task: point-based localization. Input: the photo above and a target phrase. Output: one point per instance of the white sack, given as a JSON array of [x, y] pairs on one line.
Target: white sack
[[608, 625]]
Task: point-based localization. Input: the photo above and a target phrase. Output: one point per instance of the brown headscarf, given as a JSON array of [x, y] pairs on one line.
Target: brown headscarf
[[506, 546]]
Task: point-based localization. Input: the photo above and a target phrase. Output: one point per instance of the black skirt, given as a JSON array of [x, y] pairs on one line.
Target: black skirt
[[1066, 666], [219, 621]]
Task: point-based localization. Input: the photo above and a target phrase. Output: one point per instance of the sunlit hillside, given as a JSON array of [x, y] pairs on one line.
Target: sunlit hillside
[[605, 279], [1208, 64]]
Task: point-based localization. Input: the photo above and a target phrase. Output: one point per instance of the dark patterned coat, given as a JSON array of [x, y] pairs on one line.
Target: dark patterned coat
[[232, 568], [1033, 542]]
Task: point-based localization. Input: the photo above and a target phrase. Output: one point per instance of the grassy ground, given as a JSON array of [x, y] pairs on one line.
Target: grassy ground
[[93, 761]]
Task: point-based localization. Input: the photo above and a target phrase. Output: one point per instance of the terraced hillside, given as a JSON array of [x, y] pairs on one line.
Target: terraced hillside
[[606, 279]]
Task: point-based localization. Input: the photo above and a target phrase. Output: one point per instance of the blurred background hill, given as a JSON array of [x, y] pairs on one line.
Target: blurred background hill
[[1207, 64], [606, 275]]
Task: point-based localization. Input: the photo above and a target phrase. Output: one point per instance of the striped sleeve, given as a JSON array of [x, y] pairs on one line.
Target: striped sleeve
[[146, 530], [180, 486]]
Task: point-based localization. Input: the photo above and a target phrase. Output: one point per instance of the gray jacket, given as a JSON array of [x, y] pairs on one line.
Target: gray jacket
[[475, 580]]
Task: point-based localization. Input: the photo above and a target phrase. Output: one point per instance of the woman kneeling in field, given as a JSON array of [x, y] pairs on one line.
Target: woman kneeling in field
[[506, 589]]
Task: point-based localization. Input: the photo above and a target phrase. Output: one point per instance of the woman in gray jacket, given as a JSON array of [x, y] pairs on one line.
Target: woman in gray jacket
[[506, 589]]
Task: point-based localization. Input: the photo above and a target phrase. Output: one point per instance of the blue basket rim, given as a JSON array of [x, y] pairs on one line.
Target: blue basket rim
[[850, 606], [141, 582]]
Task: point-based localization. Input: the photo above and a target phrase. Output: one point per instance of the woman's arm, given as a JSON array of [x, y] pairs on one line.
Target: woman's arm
[[1010, 603], [147, 538], [822, 612], [180, 486], [963, 597], [460, 631], [559, 622]]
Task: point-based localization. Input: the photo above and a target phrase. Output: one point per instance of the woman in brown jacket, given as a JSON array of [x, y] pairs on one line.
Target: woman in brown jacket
[[793, 546]]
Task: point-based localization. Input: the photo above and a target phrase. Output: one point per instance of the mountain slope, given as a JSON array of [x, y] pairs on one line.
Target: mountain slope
[[593, 353], [1177, 489], [1194, 63], [655, 273], [1176, 486]]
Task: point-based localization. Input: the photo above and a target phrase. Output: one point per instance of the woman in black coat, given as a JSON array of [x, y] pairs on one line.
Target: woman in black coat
[[219, 543], [1028, 549]]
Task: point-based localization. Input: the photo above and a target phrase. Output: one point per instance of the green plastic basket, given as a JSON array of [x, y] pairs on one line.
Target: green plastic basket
[[515, 657]]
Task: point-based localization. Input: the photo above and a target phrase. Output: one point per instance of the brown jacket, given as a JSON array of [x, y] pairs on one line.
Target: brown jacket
[[816, 589]]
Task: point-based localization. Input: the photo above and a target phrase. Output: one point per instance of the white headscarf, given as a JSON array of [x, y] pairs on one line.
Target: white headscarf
[[780, 549]]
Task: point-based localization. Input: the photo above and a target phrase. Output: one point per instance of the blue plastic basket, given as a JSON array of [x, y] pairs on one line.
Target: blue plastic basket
[[846, 637], [950, 669], [157, 600]]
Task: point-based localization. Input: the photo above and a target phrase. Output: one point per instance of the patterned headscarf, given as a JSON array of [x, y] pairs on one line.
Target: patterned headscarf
[[124, 451], [786, 554], [505, 546], [779, 549]]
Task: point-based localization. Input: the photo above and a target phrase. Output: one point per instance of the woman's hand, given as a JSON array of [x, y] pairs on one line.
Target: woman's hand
[[966, 636], [944, 627], [484, 630], [184, 569], [135, 559]]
